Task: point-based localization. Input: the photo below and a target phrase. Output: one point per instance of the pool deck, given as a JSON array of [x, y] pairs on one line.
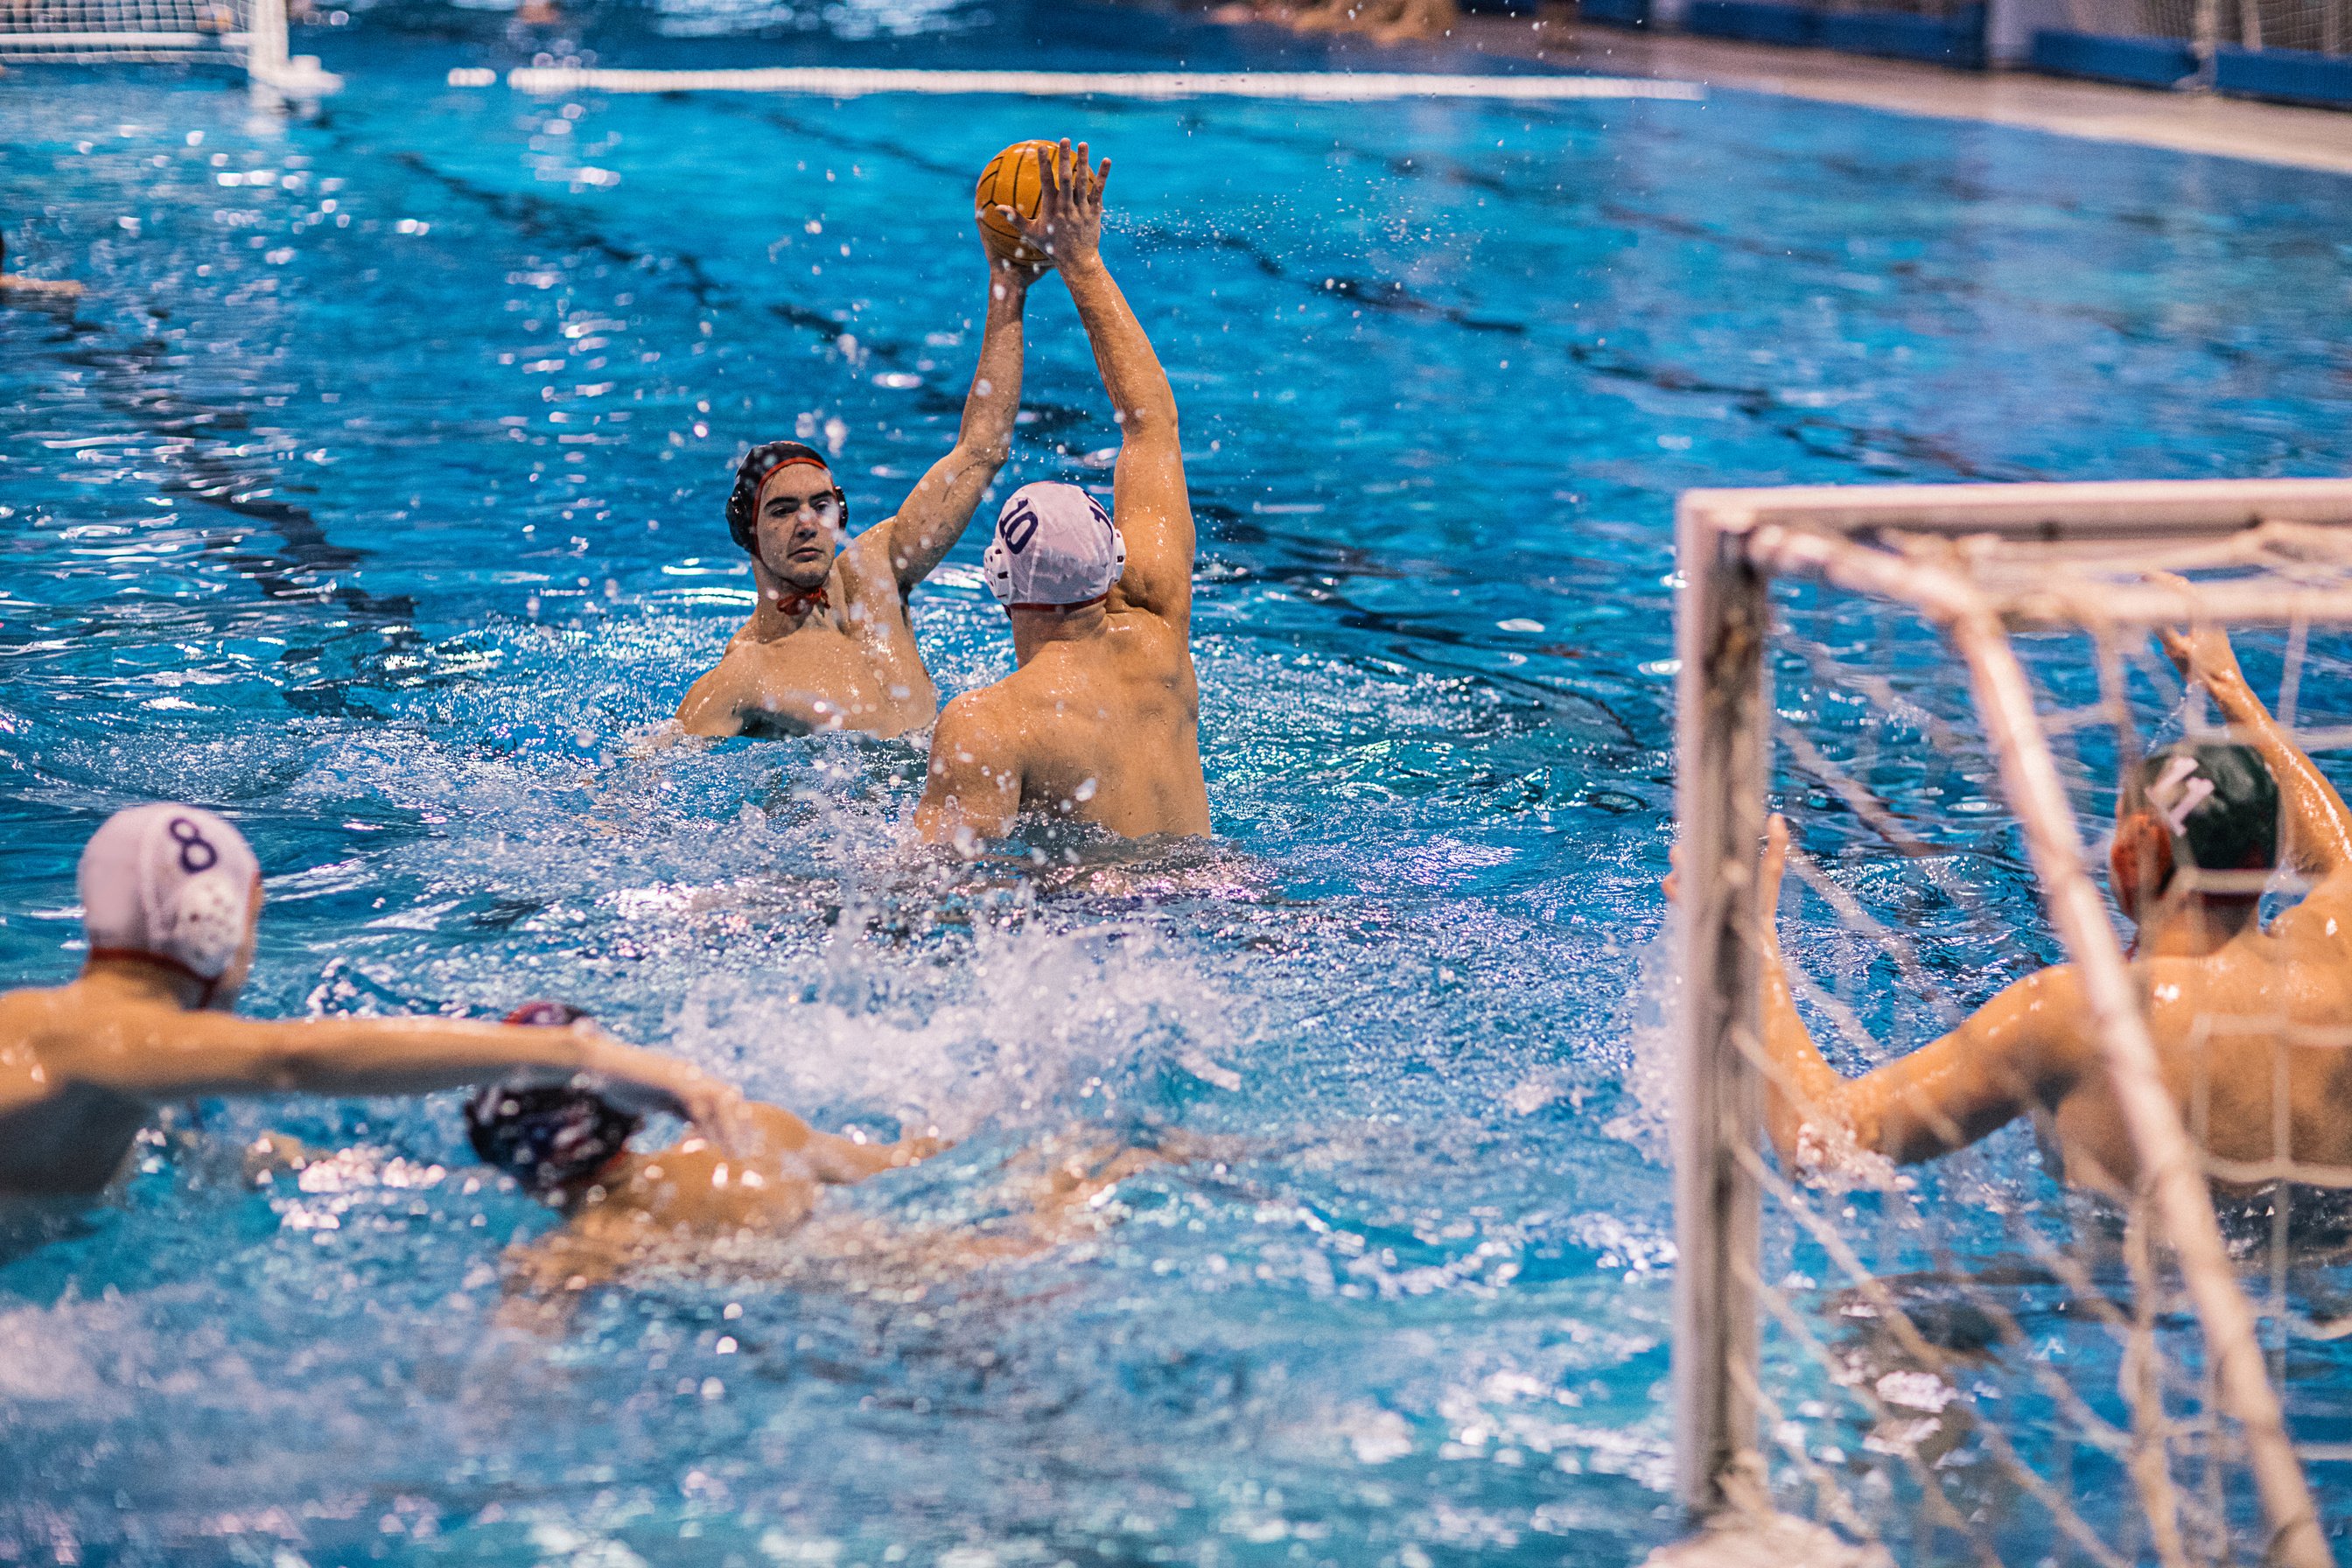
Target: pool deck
[[2318, 138]]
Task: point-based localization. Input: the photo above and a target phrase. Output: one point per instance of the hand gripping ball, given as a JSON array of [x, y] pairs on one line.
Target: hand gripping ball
[[1011, 180]]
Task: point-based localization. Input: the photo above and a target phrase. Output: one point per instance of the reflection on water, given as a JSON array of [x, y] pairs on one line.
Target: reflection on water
[[372, 495]]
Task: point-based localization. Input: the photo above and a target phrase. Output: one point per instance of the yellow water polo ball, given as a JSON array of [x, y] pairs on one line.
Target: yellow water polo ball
[[1011, 180]]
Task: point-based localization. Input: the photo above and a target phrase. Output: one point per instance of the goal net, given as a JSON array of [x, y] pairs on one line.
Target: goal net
[[248, 33], [1943, 690]]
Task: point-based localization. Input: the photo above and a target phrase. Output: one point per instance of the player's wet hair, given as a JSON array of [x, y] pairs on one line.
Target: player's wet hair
[[744, 502], [2218, 800], [548, 1137]]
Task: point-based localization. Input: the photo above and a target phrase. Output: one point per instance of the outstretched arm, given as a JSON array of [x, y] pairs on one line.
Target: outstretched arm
[[173, 1055], [936, 513], [2019, 1050], [2319, 827], [973, 792], [1149, 499]]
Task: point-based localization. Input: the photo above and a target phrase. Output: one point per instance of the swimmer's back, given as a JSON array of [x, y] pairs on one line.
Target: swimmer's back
[[1106, 730]]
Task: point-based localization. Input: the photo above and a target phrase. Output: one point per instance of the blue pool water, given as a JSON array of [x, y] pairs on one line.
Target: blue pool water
[[372, 495]]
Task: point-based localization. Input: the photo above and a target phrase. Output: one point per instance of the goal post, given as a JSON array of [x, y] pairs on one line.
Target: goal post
[[248, 34], [1967, 569]]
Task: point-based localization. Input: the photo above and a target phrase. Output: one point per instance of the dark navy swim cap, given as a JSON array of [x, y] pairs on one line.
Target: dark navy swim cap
[[547, 1136], [2218, 800], [743, 504]]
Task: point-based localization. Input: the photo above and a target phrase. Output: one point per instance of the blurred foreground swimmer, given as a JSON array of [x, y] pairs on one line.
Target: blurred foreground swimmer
[[568, 1146], [691, 1207], [829, 644], [171, 898]]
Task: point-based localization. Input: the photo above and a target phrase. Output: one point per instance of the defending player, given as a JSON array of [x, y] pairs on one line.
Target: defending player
[[171, 896], [2236, 1012], [691, 1207], [829, 645], [1101, 719]]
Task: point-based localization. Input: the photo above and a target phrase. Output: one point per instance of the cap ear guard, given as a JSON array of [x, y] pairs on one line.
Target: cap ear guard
[[207, 925], [996, 566]]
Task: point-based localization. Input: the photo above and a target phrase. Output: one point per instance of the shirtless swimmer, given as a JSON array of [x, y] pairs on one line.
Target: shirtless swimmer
[[829, 645], [1101, 719], [171, 896], [689, 1206], [2252, 1026]]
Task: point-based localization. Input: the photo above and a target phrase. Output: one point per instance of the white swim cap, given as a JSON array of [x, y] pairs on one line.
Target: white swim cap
[[173, 883], [1056, 548]]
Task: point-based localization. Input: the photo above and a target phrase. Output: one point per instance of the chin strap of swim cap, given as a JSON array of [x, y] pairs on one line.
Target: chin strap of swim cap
[[752, 473]]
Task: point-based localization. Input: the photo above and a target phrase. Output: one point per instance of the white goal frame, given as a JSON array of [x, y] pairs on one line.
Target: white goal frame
[[250, 34], [1731, 543]]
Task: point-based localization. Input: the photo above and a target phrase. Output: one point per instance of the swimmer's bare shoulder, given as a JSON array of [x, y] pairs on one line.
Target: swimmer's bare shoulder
[[977, 766], [671, 1205], [55, 1039], [715, 704]]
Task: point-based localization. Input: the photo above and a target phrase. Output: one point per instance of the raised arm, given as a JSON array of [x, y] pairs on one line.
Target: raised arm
[[973, 791], [2019, 1050], [169, 1056], [2319, 827], [1148, 499], [935, 514]]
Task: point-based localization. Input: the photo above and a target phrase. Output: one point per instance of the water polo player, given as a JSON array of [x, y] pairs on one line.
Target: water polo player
[[2238, 1012], [171, 896], [829, 645], [568, 1146], [1101, 719], [689, 1206]]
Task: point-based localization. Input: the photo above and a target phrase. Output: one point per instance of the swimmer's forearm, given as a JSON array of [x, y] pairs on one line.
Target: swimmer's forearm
[[1131, 371], [935, 516], [355, 1055], [841, 1161], [993, 405], [1802, 1088], [419, 1056]]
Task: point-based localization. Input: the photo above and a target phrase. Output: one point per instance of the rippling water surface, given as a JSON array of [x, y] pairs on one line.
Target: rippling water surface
[[372, 495]]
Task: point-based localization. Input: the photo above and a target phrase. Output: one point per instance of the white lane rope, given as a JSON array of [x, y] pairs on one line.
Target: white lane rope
[[1314, 87]]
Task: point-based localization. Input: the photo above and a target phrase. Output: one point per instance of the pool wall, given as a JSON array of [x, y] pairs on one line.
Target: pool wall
[[2004, 34]]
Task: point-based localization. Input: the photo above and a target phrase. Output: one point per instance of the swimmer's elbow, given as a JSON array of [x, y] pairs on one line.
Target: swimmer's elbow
[[1822, 1129], [991, 454], [1151, 417], [290, 1066]]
